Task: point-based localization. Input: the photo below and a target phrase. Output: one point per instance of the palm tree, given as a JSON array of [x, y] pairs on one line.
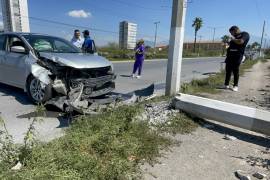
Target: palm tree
[[255, 46], [197, 24], [225, 39]]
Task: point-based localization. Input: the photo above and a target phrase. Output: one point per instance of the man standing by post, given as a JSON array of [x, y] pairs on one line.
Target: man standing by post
[[77, 40], [235, 54]]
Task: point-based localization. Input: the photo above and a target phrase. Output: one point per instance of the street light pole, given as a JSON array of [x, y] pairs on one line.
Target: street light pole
[[155, 42], [176, 47], [262, 38], [214, 34]]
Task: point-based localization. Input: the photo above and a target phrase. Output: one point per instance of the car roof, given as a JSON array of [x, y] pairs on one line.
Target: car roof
[[25, 34]]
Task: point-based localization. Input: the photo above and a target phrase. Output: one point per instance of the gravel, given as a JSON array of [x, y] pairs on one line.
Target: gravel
[[158, 113]]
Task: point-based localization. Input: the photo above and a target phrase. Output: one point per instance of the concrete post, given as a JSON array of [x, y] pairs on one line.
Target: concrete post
[[240, 116], [176, 47]]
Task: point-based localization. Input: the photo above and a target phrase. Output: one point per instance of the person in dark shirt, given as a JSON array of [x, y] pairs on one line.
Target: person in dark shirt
[[87, 46], [235, 55]]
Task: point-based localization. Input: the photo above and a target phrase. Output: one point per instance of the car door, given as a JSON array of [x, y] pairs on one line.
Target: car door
[[14, 63], [2, 55]]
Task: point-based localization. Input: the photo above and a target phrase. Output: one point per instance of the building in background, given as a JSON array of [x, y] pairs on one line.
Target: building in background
[[15, 15], [207, 45], [127, 35]]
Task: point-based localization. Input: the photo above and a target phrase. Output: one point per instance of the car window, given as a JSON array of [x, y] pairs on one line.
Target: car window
[[61, 46], [2, 42], [42, 45], [50, 44]]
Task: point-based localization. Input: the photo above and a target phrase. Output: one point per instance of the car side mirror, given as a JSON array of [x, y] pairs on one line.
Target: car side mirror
[[18, 49]]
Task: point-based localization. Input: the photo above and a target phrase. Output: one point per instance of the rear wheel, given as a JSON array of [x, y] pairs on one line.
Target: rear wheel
[[37, 91]]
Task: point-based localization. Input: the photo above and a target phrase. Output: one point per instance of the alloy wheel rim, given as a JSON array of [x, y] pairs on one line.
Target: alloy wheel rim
[[36, 90]]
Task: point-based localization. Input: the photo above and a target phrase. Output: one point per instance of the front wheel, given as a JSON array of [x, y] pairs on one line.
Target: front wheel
[[38, 92]]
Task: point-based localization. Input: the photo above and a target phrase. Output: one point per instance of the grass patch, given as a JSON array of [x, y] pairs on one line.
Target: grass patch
[[211, 83], [107, 146]]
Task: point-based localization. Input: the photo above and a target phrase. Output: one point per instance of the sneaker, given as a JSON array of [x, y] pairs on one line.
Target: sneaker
[[235, 89], [133, 75], [138, 77]]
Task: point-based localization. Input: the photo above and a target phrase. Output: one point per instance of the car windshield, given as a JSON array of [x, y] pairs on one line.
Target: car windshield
[[51, 44]]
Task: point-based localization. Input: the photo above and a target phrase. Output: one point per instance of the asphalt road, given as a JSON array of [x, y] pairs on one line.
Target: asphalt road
[[16, 109], [155, 72]]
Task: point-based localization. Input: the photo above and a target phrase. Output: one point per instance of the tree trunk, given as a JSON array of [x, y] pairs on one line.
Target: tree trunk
[[195, 41]]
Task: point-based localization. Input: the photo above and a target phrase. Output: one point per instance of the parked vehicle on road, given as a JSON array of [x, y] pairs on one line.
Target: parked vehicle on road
[[47, 67]]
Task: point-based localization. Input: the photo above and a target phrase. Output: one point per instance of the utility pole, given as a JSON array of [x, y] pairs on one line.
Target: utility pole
[[176, 47], [214, 32], [262, 38], [155, 42]]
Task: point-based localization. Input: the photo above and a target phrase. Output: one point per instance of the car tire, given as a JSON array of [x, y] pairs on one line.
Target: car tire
[[36, 92]]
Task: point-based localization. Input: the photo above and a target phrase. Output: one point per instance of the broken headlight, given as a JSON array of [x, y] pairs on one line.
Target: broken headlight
[[111, 71]]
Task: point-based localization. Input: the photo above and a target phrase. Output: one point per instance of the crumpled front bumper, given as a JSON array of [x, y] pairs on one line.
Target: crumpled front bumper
[[94, 87]]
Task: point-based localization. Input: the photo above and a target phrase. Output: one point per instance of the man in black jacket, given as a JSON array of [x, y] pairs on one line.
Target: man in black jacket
[[235, 55]]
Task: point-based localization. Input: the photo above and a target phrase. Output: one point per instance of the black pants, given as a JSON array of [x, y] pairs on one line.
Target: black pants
[[232, 68]]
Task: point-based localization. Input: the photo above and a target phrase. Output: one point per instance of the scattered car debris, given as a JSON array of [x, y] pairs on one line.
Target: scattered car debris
[[201, 156], [242, 175], [210, 73], [75, 102], [231, 138], [208, 126], [259, 175]]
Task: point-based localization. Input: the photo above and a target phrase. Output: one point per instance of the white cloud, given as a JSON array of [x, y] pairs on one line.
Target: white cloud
[[79, 14]]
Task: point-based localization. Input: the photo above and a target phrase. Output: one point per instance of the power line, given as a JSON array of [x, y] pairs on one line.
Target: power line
[[258, 9], [110, 12], [79, 26], [71, 25], [136, 5]]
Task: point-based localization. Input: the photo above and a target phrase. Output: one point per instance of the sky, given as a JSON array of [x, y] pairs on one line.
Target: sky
[[102, 17]]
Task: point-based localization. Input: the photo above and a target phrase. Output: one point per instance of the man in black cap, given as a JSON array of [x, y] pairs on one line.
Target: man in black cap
[[87, 46], [235, 55]]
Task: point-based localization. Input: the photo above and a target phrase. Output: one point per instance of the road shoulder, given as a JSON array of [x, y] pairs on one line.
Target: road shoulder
[[206, 155]]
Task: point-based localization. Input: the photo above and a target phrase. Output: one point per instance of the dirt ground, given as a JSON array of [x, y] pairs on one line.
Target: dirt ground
[[206, 155]]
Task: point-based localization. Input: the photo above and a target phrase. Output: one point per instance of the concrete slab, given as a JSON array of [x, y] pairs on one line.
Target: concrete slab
[[241, 116]]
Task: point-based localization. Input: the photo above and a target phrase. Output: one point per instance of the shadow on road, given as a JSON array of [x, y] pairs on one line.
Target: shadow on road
[[19, 94], [127, 76], [263, 141]]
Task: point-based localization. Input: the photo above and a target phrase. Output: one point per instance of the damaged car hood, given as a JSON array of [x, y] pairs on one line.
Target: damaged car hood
[[77, 60]]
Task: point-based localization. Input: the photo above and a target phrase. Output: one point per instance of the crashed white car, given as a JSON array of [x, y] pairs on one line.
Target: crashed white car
[[49, 67]]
